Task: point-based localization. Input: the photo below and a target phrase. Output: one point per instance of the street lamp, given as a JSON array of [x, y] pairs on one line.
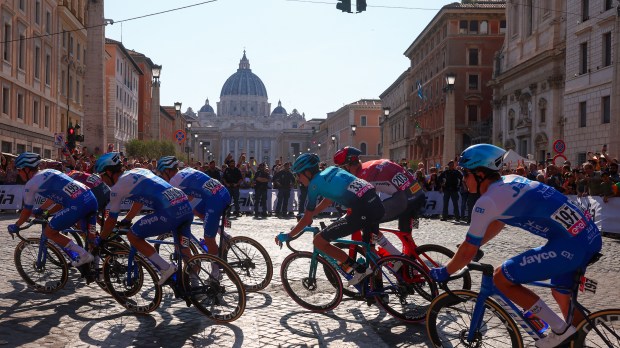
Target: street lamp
[[353, 129], [450, 80], [449, 144], [386, 112]]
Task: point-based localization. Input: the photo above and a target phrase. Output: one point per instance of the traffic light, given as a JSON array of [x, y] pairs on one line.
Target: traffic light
[[79, 138], [361, 6], [344, 5], [71, 137]]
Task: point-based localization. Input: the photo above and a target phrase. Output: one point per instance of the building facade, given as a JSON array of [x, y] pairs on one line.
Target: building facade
[[396, 122], [460, 41]]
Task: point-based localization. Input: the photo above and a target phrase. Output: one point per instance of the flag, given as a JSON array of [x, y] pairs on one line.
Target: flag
[[420, 92]]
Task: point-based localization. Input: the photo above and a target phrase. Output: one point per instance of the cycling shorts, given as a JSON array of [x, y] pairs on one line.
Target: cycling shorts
[[160, 222], [557, 260], [365, 216], [213, 208], [404, 206], [79, 208]]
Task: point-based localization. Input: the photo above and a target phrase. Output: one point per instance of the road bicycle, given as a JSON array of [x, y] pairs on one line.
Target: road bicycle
[[245, 255], [133, 282], [468, 319], [397, 284], [44, 265]]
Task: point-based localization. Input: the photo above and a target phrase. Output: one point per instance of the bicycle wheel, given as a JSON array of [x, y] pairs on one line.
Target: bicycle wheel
[[250, 260], [50, 275], [402, 288], [219, 295], [449, 318], [141, 293], [607, 322], [110, 248], [320, 292], [166, 250], [433, 255]]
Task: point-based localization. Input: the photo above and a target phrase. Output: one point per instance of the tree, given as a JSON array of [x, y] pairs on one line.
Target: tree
[[151, 149]]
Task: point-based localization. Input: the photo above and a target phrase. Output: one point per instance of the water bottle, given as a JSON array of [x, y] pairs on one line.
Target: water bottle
[[72, 254], [203, 245], [538, 324]]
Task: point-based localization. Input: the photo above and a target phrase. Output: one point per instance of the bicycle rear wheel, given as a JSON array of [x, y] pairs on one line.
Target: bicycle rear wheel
[[109, 248], [607, 322], [214, 288], [250, 260], [403, 288], [433, 255], [449, 318], [47, 276], [318, 292], [136, 289]]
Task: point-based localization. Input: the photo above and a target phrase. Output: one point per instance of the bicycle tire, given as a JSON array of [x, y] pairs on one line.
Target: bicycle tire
[[110, 247], [433, 255], [449, 318], [143, 295], [250, 260], [51, 277], [406, 292], [604, 320], [167, 252], [319, 294], [220, 298]]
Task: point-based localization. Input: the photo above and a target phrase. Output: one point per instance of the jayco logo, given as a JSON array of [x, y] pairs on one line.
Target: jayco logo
[[148, 221], [537, 258]]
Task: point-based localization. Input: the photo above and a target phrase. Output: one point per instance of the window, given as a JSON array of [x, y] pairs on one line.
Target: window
[[36, 149], [48, 22], [363, 121], [46, 116], [608, 4], [484, 27], [21, 148], [35, 112], [79, 51], [37, 12], [47, 153], [529, 18], [607, 49], [363, 148], [70, 96], [64, 39], [581, 157], [511, 119], [7, 42], [48, 69], [473, 27], [463, 27], [7, 147], [585, 10], [71, 44], [582, 114], [473, 82], [21, 58], [583, 55], [473, 56], [20, 106], [63, 83], [606, 109], [77, 91], [37, 62], [6, 100], [502, 26], [472, 113], [543, 115], [22, 5]]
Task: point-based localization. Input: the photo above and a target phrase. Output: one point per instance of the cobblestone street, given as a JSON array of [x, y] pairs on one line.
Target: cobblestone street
[[81, 316]]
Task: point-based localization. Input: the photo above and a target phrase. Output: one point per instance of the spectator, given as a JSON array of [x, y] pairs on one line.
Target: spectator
[[261, 181], [322, 165], [554, 178], [232, 180], [11, 173], [570, 183], [606, 187], [214, 172], [521, 171], [283, 180], [593, 179], [422, 169], [450, 182], [4, 163], [582, 183], [247, 176], [613, 172]]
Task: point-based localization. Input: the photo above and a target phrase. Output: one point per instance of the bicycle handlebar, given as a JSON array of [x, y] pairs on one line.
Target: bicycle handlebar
[[312, 229]]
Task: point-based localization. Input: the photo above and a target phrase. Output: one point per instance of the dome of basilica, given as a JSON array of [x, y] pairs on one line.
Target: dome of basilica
[[279, 110], [244, 82], [206, 107]]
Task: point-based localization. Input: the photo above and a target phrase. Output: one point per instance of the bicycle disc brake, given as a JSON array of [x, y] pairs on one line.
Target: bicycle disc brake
[[309, 283]]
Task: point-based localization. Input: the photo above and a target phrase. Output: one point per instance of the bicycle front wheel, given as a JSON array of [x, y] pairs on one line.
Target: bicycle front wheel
[[311, 281], [607, 322], [432, 255], [214, 288], [402, 288], [135, 288], [47, 274], [250, 260], [166, 249], [449, 318]]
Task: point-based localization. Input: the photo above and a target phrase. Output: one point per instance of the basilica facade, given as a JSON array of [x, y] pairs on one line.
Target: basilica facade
[[245, 123]]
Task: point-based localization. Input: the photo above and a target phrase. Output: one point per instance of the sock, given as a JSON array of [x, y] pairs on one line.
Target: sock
[[74, 247], [541, 310], [215, 270], [385, 244], [159, 262]]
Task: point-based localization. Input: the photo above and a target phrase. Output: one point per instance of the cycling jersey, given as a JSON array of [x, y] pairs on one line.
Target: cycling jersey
[[214, 196], [76, 199], [96, 185], [337, 185]]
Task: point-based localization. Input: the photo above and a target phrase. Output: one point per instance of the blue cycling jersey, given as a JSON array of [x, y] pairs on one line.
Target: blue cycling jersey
[[53, 185], [142, 186], [198, 184], [337, 185]]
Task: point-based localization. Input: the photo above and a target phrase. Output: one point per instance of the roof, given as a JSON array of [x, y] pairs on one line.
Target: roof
[[126, 52]]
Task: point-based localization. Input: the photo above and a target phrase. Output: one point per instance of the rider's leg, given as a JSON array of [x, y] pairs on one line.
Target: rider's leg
[[563, 301]]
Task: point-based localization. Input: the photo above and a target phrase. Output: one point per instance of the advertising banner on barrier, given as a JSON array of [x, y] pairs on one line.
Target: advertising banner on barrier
[[605, 214]]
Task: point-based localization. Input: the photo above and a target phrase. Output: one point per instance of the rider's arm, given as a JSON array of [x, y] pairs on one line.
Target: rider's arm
[[109, 224], [322, 205], [133, 211], [469, 248], [303, 222], [494, 228]]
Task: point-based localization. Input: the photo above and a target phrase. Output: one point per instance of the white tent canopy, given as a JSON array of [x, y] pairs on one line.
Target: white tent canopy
[[513, 159]]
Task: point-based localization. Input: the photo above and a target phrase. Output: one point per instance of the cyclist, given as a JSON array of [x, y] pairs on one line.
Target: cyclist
[[77, 202], [572, 237], [171, 208], [214, 197], [336, 185]]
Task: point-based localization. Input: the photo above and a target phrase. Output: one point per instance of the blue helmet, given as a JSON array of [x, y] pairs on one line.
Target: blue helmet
[[306, 161], [167, 162], [110, 159], [482, 156], [27, 159]]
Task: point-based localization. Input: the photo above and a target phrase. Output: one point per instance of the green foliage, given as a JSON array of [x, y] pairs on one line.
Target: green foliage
[[151, 149]]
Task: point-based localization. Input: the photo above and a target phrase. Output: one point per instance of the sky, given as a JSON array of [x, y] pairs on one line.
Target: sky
[[311, 56]]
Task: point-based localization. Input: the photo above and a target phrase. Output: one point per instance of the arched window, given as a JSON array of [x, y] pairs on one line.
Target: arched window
[[511, 119], [363, 148]]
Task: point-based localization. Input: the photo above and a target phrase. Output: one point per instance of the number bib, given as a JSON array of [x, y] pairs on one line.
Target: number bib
[[72, 190], [359, 187], [174, 196], [401, 181], [212, 186], [570, 219]]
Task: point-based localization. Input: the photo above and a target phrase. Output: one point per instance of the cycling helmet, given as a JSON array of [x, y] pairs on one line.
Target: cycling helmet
[[167, 162], [306, 161], [482, 156], [347, 155], [110, 159], [27, 159]]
